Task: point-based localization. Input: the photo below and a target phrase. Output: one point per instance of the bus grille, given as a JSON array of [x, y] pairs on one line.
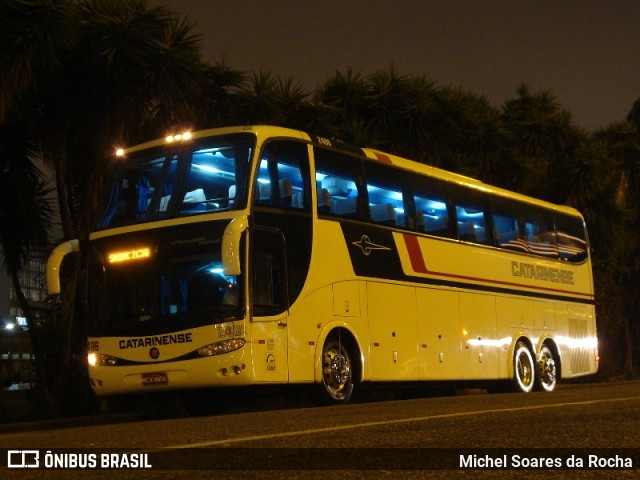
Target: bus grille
[[578, 331]]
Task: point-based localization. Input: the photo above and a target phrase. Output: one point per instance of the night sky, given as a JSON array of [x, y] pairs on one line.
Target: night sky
[[586, 53]]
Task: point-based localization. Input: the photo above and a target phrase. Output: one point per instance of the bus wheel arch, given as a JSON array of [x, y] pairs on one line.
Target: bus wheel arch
[[524, 366], [340, 367], [548, 367]]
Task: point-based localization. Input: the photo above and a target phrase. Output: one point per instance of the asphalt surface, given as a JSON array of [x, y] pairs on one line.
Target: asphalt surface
[[495, 436]]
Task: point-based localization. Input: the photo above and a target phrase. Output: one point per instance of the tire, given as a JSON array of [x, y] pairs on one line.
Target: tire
[[336, 386], [547, 374], [524, 370]]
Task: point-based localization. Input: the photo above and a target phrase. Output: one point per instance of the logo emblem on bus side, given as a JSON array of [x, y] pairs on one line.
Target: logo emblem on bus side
[[367, 246], [154, 353]]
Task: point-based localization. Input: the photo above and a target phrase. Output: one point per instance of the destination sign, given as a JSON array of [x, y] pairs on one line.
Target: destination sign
[[129, 255]]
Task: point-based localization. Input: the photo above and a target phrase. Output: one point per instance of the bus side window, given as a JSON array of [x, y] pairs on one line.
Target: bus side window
[[539, 230], [506, 227], [283, 177], [432, 212], [571, 238], [340, 182], [471, 219], [385, 187]]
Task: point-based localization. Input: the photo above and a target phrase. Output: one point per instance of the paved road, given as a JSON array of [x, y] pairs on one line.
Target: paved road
[[431, 437]]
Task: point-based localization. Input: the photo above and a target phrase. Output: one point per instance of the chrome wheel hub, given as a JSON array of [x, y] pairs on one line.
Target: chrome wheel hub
[[336, 371]]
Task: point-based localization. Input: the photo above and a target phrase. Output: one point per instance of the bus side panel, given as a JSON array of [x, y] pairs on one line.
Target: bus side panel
[[329, 294], [393, 329], [544, 314], [305, 324], [439, 334], [480, 336], [515, 318]]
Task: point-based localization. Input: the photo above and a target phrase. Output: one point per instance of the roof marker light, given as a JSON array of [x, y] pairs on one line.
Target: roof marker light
[[178, 137]]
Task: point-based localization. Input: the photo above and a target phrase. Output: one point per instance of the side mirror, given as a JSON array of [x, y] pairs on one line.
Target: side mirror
[[231, 245], [55, 261]]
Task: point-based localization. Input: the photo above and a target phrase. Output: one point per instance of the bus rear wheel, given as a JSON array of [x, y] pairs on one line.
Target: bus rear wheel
[[524, 373], [547, 372], [337, 372]]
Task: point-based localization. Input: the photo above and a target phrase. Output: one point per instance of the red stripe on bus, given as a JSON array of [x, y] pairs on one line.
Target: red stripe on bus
[[418, 265], [415, 254], [383, 158]]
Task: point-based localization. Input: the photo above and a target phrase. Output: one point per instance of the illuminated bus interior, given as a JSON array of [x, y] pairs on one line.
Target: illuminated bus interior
[[382, 194], [169, 182]]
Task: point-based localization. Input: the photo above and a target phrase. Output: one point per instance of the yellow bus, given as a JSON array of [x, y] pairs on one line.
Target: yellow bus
[[264, 255]]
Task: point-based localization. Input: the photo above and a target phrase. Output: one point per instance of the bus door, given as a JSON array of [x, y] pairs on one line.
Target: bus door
[[269, 305]]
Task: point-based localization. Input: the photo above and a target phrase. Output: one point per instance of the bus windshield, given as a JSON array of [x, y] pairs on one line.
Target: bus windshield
[[203, 176], [166, 281]]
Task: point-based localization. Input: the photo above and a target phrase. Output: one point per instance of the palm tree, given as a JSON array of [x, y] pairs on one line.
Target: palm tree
[[621, 141], [25, 217], [122, 71], [257, 100], [633, 117], [218, 99], [34, 36], [134, 72], [294, 105], [385, 103], [345, 95], [540, 132], [417, 114]]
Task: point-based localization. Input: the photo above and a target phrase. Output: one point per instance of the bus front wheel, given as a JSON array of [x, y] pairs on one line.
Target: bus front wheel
[[337, 372], [524, 372]]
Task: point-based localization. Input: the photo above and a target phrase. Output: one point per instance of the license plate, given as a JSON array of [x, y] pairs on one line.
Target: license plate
[[155, 378]]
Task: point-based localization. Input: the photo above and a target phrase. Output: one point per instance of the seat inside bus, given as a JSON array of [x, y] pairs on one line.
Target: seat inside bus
[[286, 193]]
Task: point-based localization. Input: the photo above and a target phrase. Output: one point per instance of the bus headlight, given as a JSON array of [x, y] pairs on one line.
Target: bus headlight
[[219, 348], [99, 360]]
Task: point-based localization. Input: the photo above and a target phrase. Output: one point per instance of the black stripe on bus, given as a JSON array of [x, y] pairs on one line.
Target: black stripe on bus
[[373, 254]]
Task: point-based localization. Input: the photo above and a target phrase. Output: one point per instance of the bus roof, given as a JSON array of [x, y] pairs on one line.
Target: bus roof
[[469, 182]]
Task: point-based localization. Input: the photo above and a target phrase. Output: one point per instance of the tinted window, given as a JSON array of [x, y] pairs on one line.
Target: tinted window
[[507, 226], [432, 214], [571, 238], [471, 218], [386, 198], [340, 185], [539, 231], [283, 175]]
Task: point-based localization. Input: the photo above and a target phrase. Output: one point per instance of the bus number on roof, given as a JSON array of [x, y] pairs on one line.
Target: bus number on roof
[[324, 141]]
